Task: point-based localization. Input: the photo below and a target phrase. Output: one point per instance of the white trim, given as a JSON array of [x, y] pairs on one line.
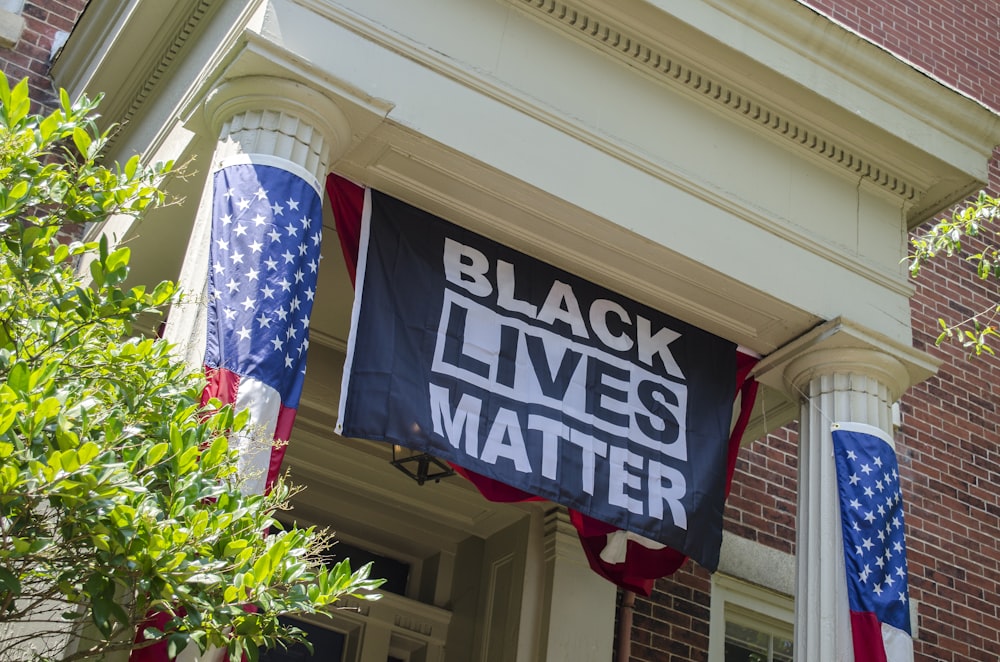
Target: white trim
[[274, 161], [864, 428], [759, 607], [359, 279]]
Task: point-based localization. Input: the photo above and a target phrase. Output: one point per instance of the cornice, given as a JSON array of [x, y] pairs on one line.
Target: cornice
[[645, 163], [96, 62], [678, 73]]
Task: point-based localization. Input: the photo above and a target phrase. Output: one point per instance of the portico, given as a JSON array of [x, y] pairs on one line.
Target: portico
[[746, 167]]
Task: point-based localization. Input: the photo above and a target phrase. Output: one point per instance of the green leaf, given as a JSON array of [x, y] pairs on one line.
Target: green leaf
[[82, 141]]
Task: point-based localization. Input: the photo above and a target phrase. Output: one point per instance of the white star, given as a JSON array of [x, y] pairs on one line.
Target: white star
[[878, 589], [880, 562], [219, 269], [854, 479], [222, 244], [293, 205], [281, 313], [288, 361], [261, 193], [869, 492], [232, 285], [900, 572], [226, 219], [240, 230], [264, 321], [259, 220], [889, 580], [867, 544], [310, 293], [243, 204], [278, 344], [317, 238], [291, 332], [244, 333], [237, 257], [870, 517], [897, 546], [284, 285], [879, 486], [851, 455], [248, 303], [855, 504], [866, 469], [276, 208], [252, 274], [305, 325], [299, 275], [302, 249], [229, 313], [902, 598], [271, 264], [306, 222], [256, 246], [274, 235], [878, 461], [312, 266], [267, 292], [292, 230], [228, 194], [289, 258], [860, 552], [896, 523], [294, 304]]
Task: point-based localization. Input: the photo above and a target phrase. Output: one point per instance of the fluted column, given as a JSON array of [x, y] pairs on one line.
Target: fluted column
[[839, 373], [266, 120], [857, 386]]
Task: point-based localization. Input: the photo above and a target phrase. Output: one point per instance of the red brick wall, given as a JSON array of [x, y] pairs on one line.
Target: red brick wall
[[949, 449], [30, 56]]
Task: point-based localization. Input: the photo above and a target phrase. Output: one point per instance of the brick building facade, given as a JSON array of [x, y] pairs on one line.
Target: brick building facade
[[30, 33], [949, 423], [947, 444]]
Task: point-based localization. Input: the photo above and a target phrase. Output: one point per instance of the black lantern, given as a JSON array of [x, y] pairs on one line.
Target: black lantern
[[420, 466]]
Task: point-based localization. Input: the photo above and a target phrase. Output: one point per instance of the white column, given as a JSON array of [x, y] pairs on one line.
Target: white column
[[272, 120], [839, 373], [835, 387], [573, 608]]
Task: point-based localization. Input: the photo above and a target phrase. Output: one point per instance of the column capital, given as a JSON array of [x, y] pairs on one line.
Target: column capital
[[842, 346], [278, 105]]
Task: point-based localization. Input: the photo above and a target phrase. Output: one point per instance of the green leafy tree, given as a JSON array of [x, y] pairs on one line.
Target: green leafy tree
[[118, 496], [971, 224]]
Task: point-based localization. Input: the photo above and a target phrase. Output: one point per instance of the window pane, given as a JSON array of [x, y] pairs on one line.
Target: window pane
[[737, 653], [747, 637]]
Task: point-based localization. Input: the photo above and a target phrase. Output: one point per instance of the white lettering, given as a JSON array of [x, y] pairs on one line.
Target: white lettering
[[657, 344], [551, 431], [505, 291], [561, 304], [590, 448], [671, 493], [450, 426], [466, 267], [506, 425], [619, 477], [599, 311]]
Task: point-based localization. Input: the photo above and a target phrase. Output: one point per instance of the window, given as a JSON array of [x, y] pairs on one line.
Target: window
[[749, 623]]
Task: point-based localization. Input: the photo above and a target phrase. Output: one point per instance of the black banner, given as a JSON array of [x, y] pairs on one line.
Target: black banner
[[522, 372]]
